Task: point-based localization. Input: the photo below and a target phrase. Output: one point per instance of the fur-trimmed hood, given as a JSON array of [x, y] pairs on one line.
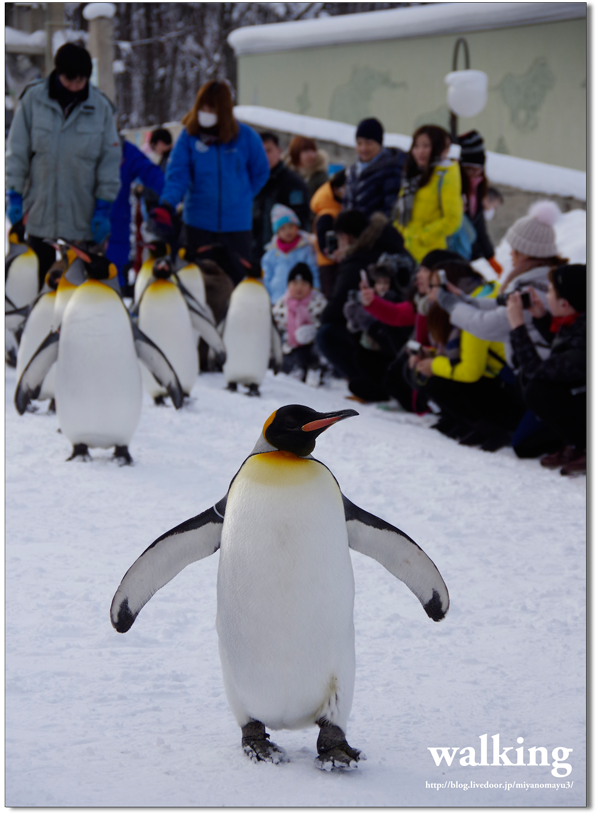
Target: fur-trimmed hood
[[371, 234]]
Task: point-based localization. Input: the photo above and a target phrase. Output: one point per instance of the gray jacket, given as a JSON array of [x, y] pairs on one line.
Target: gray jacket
[[61, 166], [484, 319]]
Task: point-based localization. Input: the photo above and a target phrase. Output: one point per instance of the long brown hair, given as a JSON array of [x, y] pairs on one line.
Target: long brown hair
[[217, 95], [440, 140], [467, 279], [297, 145]]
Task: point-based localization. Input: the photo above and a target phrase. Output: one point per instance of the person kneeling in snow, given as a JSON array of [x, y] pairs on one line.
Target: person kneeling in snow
[[555, 388], [297, 316]]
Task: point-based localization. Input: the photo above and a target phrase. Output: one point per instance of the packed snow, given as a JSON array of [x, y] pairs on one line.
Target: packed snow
[[94, 718], [527, 175], [426, 18], [94, 10]]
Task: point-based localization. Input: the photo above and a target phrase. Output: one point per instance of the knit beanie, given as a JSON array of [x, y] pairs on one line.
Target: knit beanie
[[300, 272], [472, 149], [534, 235], [437, 256], [570, 283], [370, 129], [280, 215]]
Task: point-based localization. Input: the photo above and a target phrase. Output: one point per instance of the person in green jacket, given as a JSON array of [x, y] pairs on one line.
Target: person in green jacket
[[63, 157]]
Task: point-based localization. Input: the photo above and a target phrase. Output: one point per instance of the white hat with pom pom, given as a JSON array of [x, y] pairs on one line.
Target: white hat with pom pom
[[534, 235]]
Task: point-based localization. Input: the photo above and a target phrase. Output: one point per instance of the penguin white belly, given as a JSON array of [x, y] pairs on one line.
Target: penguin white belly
[[64, 293], [165, 318], [37, 328], [98, 382], [247, 336], [22, 281], [192, 279], [285, 595]]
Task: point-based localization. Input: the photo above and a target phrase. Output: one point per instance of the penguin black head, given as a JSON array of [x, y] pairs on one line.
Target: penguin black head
[[295, 428], [158, 248], [97, 266], [162, 268], [16, 235]]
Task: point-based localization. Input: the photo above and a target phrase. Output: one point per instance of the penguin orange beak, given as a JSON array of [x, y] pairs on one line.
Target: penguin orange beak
[[325, 420]]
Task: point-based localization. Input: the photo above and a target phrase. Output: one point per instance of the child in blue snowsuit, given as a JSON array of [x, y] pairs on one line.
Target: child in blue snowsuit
[[289, 246]]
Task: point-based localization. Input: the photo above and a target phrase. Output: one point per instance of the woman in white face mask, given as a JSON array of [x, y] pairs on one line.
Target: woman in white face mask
[[216, 168]]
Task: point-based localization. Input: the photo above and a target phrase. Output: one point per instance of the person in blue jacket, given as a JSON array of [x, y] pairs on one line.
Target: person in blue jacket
[[134, 166], [217, 167]]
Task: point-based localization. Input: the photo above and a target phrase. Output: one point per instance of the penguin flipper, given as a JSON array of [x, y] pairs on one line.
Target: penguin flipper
[[192, 540], [15, 318], [276, 362], [400, 555], [158, 365], [30, 384], [205, 326]]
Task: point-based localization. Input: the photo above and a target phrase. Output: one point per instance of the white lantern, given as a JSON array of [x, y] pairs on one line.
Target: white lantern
[[467, 92]]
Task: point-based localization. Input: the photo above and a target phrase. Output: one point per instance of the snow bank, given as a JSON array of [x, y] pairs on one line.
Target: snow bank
[[95, 10], [528, 175], [15, 37], [427, 19]]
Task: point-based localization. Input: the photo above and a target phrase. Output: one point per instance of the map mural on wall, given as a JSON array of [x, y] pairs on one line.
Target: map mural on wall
[[351, 102], [439, 117], [524, 94]]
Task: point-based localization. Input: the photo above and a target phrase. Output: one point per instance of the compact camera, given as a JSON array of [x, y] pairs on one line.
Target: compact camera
[[502, 299], [331, 242]]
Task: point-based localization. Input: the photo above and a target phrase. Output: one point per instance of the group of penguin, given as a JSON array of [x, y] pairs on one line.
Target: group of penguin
[[76, 343]]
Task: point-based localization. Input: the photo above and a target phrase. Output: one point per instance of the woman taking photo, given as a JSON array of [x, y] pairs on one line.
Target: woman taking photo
[[430, 206], [217, 167]]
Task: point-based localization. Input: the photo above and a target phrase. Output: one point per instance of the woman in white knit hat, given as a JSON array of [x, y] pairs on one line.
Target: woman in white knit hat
[[534, 254]]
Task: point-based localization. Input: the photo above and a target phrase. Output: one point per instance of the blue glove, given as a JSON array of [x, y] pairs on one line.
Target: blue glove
[[101, 221], [14, 206]]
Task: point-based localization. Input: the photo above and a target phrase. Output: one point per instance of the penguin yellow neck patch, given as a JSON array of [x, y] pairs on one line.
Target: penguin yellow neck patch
[[281, 468]]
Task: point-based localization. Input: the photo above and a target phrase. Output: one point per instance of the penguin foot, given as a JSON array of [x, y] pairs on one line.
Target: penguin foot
[[333, 748], [160, 400], [80, 450], [256, 744], [231, 387], [253, 390], [122, 456], [11, 358]]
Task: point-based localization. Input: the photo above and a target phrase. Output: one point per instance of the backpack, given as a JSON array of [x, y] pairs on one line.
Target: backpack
[[462, 240]]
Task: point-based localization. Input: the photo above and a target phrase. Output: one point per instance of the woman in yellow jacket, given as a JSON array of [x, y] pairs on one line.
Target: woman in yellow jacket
[[463, 378], [430, 206]]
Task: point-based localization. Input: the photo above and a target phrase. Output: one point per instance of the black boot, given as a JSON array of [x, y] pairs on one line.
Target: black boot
[[256, 744], [333, 748]]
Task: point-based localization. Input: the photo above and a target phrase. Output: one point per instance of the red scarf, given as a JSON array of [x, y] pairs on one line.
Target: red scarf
[[563, 322], [287, 247]]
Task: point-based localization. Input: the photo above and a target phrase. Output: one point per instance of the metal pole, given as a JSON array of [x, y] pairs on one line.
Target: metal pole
[[457, 45]]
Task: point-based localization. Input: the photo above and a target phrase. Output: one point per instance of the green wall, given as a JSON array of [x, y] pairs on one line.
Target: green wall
[[536, 95]]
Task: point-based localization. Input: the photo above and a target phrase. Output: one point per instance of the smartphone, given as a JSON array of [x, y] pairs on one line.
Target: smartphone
[[331, 242], [363, 277]]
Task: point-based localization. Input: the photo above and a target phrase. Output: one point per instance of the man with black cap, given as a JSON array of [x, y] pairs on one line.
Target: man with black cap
[[373, 181], [63, 156], [555, 388]]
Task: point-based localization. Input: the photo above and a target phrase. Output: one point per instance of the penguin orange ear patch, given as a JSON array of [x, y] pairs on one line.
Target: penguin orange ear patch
[[268, 422]]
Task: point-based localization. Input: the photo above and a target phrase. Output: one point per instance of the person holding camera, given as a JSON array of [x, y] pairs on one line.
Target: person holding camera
[[533, 253], [554, 389], [464, 377]]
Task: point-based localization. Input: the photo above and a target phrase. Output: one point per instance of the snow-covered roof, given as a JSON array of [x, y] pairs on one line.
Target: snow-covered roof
[[527, 175], [415, 21], [94, 10], [16, 37]]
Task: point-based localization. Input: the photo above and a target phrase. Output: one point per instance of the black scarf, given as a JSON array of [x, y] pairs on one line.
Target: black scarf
[[209, 136], [67, 99]]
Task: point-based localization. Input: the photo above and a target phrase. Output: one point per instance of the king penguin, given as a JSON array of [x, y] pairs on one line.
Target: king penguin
[[98, 386], [250, 336], [21, 268], [285, 586]]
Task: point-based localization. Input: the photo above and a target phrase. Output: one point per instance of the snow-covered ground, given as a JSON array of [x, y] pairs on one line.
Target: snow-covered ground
[[93, 718]]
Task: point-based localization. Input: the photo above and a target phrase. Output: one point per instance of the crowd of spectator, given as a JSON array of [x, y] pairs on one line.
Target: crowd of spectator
[[369, 269]]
